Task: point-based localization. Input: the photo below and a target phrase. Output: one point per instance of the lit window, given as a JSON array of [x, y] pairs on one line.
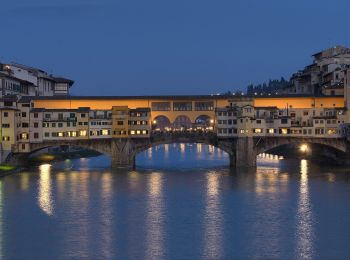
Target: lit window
[[284, 131], [138, 132], [271, 130], [105, 132], [331, 131], [60, 134], [74, 133], [132, 132], [144, 132], [257, 130], [24, 136], [242, 131], [82, 133]]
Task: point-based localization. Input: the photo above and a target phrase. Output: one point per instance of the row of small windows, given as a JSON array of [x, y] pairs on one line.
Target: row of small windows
[[131, 132], [183, 106], [318, 131], [68, 124]]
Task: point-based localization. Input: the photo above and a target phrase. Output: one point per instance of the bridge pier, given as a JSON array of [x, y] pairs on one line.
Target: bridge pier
[[244, 154], [122, 153]]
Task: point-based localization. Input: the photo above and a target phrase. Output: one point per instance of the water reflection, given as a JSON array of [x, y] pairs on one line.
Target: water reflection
[[304, 224], [155, 218], [213, 232], [77, 218], [106, 216], [1, 220], [45, 199]]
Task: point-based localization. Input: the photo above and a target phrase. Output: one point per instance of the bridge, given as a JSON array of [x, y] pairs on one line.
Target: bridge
[[242, 151]]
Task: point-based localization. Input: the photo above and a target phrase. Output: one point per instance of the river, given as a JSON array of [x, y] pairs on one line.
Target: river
[[181, 202]]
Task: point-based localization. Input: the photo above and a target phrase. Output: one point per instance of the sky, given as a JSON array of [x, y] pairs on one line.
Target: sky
[[163, 47]]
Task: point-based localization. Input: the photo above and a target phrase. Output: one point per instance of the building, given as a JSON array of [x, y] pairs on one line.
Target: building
[[23, 80], [325, 76]]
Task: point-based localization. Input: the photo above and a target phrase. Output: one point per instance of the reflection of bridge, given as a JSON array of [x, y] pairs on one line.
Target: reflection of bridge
[[242, 151]]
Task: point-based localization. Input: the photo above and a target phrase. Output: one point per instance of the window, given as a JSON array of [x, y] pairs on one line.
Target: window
[[60, 134], [271, 131], [6, 114], [182, 106], [132, 132], [105, 132], [284, 131], [120, 123], [284, 121], [161, 106], [36, 115], [83, 115], [82, 133], [53, 124], [5, 125], [258, 121], [36, 135], [47, 134], [60, 124], [25, 125], [71, 115], [204, 106], [6, 138], [47, 116], [24, 136], [257, 130]]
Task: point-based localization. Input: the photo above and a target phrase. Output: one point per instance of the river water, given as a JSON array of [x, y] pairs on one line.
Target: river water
[[181, 202]]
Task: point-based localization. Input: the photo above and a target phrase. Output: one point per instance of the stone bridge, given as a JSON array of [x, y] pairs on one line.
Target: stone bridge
[[242, 151]]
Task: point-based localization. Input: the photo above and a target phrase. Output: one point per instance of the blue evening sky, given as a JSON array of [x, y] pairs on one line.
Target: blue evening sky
[[156, 47]]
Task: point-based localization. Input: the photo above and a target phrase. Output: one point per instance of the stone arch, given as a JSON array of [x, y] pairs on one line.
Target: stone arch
[[99, 145], [161, 123], [266, 144], [182, 122]]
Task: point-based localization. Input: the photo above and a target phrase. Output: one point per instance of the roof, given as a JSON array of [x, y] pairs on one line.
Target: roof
[[63, 80], [2, 74], [174, 97], [25, 67], [80, 109]]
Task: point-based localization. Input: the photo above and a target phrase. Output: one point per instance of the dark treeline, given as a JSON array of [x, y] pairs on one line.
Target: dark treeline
[[271, 86]]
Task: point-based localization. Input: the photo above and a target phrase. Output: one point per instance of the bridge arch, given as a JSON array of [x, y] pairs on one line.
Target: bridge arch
[[338, 146]]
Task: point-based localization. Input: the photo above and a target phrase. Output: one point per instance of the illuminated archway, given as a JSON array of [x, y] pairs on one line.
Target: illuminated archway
[[182, 123], [203, 122], [161, 123]]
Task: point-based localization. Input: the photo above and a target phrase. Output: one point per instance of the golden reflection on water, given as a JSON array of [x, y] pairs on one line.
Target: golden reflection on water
[[77, 199], [270, 185], [106, 215], [213, 219], [45, 199], [304, 232], [155, 217], [270, 180], [24, 182], [166, 150]]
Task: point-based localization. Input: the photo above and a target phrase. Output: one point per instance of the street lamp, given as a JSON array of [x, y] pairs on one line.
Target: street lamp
[[304, 148]]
